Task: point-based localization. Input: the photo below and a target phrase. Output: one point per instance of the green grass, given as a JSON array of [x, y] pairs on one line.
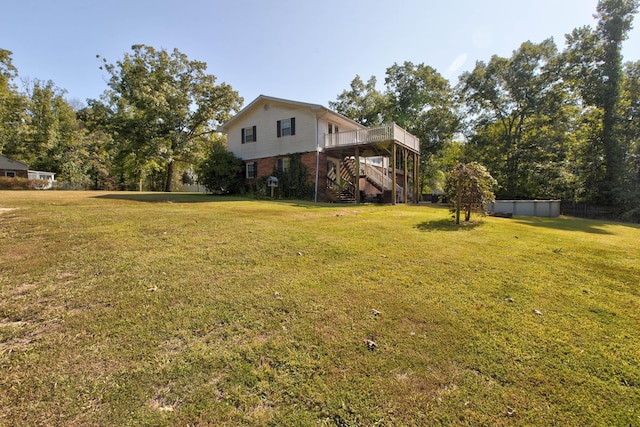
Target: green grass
[[174, 309]]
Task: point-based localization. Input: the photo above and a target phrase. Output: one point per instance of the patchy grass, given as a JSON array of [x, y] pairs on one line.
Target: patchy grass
[[173, 309]]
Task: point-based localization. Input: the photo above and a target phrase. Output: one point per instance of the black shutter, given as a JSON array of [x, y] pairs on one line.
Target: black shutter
[[279, 129], [255, 169], [293, 125], [254, 134], [242, 136]]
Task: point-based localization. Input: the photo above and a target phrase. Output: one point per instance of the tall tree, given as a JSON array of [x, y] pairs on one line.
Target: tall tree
[[594, 62], [12, 103], [421, 100], [162, 104], [362, 103], [508, 101], [630, 115], [416, 97]]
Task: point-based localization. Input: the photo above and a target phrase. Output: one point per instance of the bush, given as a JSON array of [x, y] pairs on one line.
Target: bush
[[294, 183], [221, 171], [7, 183]]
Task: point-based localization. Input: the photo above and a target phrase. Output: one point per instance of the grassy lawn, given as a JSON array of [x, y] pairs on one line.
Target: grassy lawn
[[169, 309]]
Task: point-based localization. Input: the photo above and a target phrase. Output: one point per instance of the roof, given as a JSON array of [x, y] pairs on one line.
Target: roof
[[264, 98], [8, 160]]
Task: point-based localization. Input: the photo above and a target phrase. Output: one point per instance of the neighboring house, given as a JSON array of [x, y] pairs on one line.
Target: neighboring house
[[15, 169], [50, 177], [345, 160]]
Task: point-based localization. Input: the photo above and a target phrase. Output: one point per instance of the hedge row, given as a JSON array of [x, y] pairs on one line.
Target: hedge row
[[22, 183]]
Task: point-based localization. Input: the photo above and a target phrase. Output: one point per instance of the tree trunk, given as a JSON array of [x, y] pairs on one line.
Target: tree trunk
[[458, 204], [169, 183]]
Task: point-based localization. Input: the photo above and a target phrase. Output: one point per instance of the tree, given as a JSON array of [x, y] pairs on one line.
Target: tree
[[421, 101], [49, 138], [12, 103], [508, 101], [594, 66], [363, 103], [221, 170], [469, 186], [416, 97], [630, 133], [163, 104]]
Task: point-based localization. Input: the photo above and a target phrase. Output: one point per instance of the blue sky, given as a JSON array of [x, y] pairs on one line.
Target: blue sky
[[296, 49]]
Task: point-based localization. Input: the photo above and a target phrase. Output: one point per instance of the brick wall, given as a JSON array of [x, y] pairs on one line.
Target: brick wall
[[266, 166], [19, 173]]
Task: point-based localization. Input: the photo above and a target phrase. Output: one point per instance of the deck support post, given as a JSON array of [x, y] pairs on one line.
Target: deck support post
[[405, 176], [393, 174], [416, 178], [357, 173]]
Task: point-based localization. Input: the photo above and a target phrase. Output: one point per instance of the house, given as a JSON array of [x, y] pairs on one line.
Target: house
[[345, 160], [13, 168], [16, 169], [50, 177]]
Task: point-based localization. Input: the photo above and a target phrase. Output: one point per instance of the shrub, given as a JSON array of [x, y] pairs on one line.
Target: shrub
[[221, 171]]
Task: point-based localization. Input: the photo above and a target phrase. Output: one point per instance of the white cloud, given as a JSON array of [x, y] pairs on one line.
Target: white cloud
[[457, 63]]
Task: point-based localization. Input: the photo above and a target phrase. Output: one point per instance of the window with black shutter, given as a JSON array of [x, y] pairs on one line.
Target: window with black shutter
[[249, 134], [283, 164], [286, 127], [252, 170]]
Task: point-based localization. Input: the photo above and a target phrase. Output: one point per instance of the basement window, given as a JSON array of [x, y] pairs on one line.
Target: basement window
[[283, 164], [252, 170]]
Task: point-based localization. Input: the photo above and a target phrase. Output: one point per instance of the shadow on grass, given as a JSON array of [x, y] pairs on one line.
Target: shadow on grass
[[169, 197], [161, 197], [447, 225], [567, 223]]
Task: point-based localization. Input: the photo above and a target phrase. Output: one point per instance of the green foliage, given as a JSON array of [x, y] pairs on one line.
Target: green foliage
[[594, 67], [469, 186], [22, 183], [362, 103], [416, 97], [162, 105], [12, 103], [221, 172], [520, 117], [295, 182]]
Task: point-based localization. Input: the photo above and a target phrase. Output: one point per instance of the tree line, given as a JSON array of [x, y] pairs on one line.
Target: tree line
[[155, 120], [545, 122]]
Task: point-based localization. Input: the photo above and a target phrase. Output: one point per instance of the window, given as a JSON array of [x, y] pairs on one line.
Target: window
[[10, 174], [249, 134], [252, 170], [287, 127], [333, 128], [283, 164]]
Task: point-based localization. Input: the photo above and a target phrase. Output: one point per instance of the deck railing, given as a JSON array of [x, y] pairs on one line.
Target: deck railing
[[376, 175], [391, 132]]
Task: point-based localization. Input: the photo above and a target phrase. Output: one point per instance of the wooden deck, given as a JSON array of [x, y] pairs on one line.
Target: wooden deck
[[380, 137]]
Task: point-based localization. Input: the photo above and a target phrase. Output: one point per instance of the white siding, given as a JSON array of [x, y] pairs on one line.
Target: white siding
[[267, 143], [310, 127]]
